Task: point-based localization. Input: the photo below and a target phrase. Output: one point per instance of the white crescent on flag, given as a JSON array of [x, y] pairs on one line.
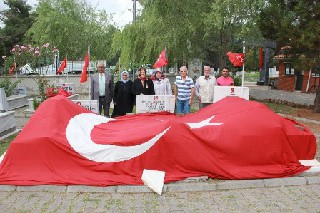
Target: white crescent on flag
[[78, 133]]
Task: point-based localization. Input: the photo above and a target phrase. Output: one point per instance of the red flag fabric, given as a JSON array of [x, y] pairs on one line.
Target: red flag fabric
[[162, 60], [66, 144], [237, 59], [63, 65], [261, 58], [84, 76], [12, 68]]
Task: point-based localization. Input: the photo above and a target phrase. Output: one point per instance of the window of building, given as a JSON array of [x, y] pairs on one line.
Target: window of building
[[289, 70]]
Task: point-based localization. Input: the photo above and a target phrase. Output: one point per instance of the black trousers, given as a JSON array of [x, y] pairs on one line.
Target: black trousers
[[104, 105]]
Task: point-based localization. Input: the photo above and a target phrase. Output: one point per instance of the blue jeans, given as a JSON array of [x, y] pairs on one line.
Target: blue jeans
[[183, 106]]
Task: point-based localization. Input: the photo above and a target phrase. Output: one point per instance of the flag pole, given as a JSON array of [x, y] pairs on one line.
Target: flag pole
[[67, 70], [89, 76], [242, 79], [15, 69]]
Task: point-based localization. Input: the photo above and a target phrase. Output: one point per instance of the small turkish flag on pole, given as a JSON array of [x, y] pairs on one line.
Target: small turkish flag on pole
[[84, 77], [237, 59], [162, 60], [62, 66], [12, 68]]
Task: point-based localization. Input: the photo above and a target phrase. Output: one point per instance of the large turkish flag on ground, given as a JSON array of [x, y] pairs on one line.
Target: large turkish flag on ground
[[65, 144]]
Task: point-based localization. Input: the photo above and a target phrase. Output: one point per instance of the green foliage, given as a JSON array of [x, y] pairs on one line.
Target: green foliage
[[17, 20], [8, 85], [4, 144], [237, 80], [294, 23], [43, 84], [72, 26], [36, 103]]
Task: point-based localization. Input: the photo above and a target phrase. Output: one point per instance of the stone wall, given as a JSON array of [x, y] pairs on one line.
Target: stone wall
[[30, 82]]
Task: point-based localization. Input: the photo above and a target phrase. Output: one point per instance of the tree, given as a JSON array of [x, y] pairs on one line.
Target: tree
[[231, 22], [72, 26], [17, 21], [295, 23]]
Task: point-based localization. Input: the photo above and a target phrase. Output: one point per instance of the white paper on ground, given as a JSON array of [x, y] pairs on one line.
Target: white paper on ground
[[315, 165], [153, 179], [2, 156]]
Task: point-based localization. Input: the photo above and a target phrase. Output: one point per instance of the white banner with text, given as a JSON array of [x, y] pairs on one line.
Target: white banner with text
[[91, 105], [154, 103], [221, 92]]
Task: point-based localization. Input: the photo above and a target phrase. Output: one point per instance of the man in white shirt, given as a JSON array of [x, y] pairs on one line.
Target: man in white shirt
[[204, 88]]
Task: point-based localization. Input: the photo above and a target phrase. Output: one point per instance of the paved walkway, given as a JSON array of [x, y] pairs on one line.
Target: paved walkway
[[296, 97], [294, 194]]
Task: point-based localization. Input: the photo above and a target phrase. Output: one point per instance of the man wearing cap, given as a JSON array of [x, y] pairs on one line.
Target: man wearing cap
[[102, 89], [183, 91], [204, 88]]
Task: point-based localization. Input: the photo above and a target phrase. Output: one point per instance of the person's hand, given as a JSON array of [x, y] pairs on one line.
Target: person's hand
[[190, 101], [199, 98]]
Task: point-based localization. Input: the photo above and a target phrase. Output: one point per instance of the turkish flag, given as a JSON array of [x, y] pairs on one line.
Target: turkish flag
[[63, 65], [237, 59], [162, 60], [261, 58], [12, 68], [84, 76], [66, 144]]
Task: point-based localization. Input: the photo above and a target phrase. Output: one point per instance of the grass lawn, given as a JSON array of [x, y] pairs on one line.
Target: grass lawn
[[4, 144]]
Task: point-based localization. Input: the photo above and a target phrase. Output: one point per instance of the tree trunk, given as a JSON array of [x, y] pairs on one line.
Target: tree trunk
[[316, 107]]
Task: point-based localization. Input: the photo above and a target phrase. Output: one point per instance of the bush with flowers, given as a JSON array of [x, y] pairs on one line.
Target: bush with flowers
[[37, 56], [46, 91]]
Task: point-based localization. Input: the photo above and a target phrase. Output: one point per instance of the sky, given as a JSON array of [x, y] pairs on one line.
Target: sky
[[121, 9]]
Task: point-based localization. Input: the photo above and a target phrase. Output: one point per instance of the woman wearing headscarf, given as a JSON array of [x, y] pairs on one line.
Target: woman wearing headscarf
[[123, 98], [143, 85], [161, 84]]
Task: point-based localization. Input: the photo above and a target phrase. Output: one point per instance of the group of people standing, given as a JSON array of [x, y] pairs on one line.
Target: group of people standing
[[124, 91]]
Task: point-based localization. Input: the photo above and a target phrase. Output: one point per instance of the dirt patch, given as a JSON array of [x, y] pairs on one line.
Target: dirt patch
[[306, 113]]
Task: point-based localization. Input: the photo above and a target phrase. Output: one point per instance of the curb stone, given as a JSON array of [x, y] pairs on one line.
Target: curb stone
[[84, 188], [190, 187], [313, 180], [292, 181], [42, 188], [240, 184], [179, 186]]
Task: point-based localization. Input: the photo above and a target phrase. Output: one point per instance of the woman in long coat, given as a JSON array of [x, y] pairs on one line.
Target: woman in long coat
[[123, 97]]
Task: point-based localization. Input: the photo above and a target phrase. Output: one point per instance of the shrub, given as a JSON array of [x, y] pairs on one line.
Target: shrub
[[8, 85]]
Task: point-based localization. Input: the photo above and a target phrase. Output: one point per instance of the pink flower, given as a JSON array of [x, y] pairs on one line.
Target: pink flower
[[37, 52], [13, 50], [45, 45]]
